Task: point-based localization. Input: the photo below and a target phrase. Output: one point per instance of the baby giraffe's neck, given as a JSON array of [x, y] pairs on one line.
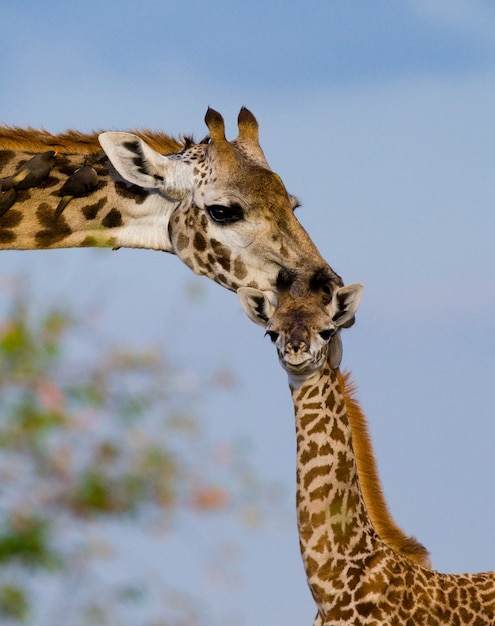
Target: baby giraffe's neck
[[335, 531]]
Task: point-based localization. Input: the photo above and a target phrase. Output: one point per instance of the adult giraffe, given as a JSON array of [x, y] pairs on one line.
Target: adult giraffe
[[355, 577], [216, 204]]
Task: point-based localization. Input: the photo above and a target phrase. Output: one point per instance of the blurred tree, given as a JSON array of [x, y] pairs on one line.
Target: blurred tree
[[92, 449]]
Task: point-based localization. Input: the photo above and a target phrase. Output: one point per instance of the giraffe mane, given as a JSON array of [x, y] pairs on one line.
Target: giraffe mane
[[73, 141], [373, 495]]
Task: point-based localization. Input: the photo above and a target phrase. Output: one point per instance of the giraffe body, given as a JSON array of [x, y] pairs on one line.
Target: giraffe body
[[354, 576], [217, 204]]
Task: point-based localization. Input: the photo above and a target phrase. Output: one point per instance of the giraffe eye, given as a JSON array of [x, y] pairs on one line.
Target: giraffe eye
[[225, 214], [327, 334], [273, 335]]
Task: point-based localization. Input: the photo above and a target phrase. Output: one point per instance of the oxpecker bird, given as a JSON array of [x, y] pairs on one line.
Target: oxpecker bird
[[81, 183], [34, 171], [7, 196]]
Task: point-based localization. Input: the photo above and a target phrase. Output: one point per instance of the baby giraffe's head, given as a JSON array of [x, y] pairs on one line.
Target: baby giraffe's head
[[304, 322]]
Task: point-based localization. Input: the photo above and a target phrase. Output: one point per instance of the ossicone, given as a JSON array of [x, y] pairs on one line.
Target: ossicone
[[215, 124], [248, 126]]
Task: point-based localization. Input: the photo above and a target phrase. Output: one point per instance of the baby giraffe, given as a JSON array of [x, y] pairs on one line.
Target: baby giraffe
[[354, 576]]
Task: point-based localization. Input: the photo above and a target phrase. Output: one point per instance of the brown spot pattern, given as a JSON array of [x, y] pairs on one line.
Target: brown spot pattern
[[199, 242], [132, 192], [90, 211], [112, 219], [54, 230], [240, 269], [5, 157]]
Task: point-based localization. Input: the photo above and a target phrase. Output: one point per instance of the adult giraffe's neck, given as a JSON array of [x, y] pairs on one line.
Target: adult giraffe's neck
[[334, 527], [115, 214]]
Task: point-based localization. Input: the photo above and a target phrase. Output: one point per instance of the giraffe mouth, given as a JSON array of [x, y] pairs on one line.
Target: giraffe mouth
[[307, 364]]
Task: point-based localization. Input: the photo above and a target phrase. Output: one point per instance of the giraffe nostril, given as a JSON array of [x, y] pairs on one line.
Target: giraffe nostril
[[296, 346]]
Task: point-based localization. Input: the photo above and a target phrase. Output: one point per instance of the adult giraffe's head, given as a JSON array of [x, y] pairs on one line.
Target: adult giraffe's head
[[233, 219]]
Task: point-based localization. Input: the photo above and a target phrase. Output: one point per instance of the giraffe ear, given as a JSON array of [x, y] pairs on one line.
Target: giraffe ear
[[140, 165], [335, 351], [345, 302], [258, 305], [294, 202]]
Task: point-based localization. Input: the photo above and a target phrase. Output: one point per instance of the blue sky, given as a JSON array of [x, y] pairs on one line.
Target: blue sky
[[379, 116]]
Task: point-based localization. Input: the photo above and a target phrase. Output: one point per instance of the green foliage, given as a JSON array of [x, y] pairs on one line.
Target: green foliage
[[14, 604], [26, 539], [26, 349], [113, 437]]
